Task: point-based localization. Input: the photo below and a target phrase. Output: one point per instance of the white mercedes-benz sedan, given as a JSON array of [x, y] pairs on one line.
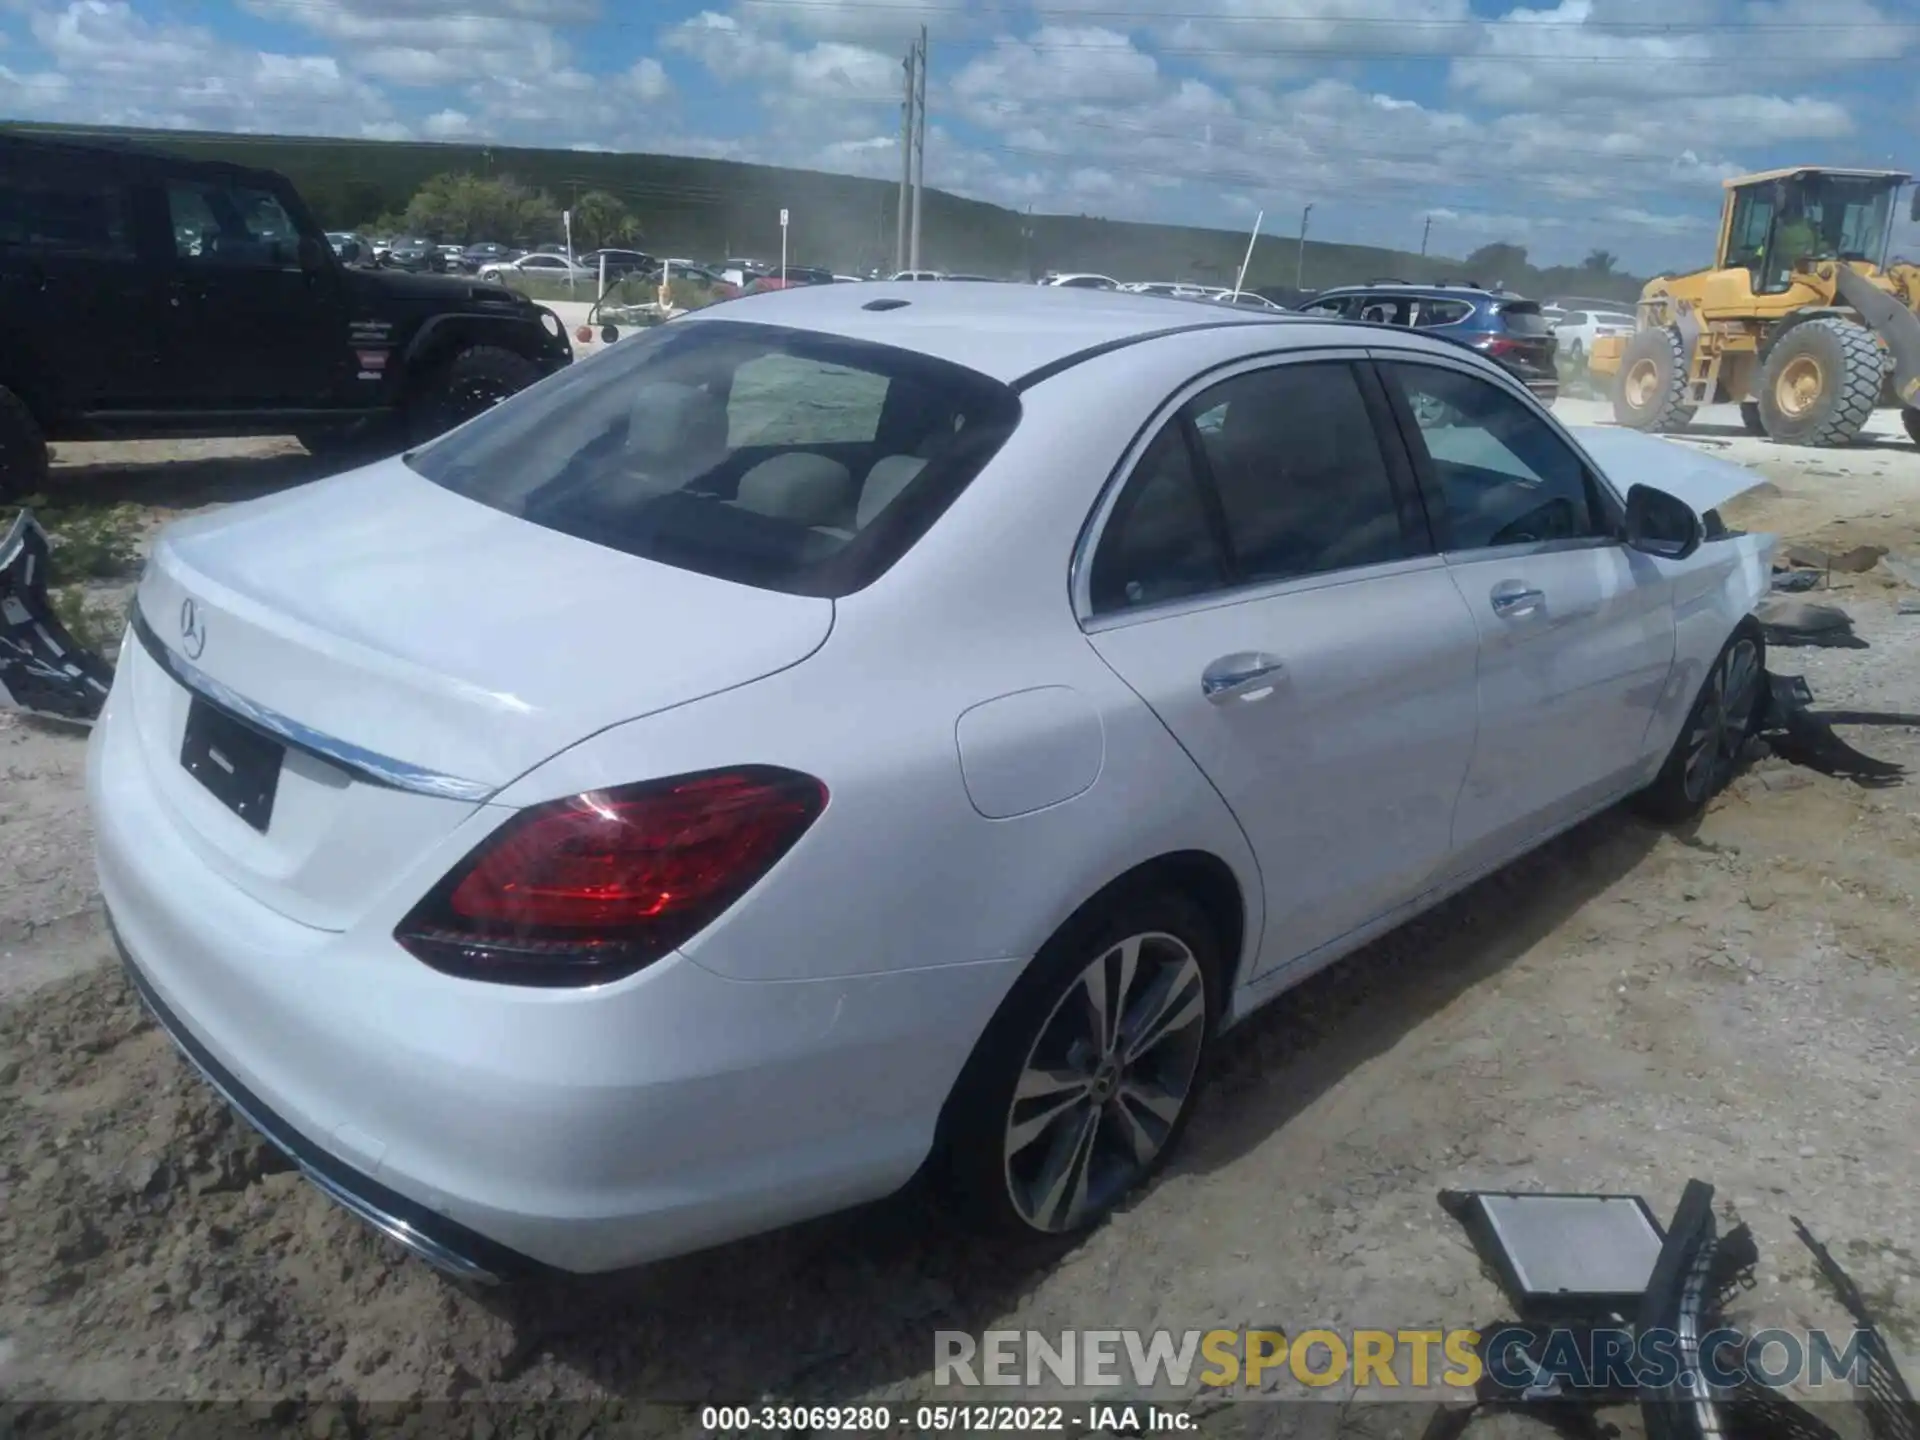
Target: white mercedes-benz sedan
[[861, 729]]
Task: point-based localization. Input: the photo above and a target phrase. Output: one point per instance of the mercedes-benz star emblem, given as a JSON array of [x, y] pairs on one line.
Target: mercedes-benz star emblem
[[193, 630]]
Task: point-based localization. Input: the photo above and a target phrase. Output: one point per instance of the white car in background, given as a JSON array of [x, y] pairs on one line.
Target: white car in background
[[1576, 330], [1081, 282], [834, 735], [540, 265]]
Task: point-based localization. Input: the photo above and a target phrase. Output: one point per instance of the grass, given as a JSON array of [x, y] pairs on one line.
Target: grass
[[91, 544]]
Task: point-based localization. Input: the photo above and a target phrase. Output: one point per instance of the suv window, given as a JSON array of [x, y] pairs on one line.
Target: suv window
[[1386, 309], [1158, 544], [49, 215], [215, 223], [1298, 468], [1340, 305], [1504, 476], [1442, 312], [1573, 319]]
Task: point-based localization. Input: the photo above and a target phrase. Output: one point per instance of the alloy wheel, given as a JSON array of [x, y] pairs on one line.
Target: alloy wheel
[[1105, 1082], [1723, 719]]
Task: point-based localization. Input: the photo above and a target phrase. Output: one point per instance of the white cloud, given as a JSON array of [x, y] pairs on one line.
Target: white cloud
[[647, 79], [449, 124]]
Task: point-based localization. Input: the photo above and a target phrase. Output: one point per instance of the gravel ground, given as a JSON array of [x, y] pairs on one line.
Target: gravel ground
[[1626, 1009]]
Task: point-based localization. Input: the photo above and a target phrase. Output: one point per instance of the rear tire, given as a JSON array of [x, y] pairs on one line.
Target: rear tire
[[1750, 418], [1650, 391], [1820, 383], [1911, 419], [1051, 1126], [23, 450], [1725, 715], [474, 380]]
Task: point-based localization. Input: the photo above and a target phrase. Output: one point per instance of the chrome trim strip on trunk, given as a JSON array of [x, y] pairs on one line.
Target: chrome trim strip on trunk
[[454, 1252], [368, 765]]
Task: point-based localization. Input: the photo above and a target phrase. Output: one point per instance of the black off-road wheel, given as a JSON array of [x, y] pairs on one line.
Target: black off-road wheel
[[1725, 716], [1085, 1079], [1650, 392], [472, 381], [1750, 419], [23, 450], [1821, 382]]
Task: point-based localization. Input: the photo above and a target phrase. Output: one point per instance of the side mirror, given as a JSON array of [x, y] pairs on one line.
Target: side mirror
[[314, 254], [1662, 525], [350, 252]]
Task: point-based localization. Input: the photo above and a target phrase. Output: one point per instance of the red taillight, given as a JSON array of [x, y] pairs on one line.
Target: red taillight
[[1496, 345], [587, 889]]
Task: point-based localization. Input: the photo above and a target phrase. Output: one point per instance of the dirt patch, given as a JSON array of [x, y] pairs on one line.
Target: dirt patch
[[1623, 1010]]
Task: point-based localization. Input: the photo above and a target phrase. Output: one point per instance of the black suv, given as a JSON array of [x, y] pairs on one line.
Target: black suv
[[1505, 327], [143, 296]]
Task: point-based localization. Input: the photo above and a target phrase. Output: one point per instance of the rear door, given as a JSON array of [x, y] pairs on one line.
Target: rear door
[[78, 307], [1576, 630], [1264, 582], [247, 327]]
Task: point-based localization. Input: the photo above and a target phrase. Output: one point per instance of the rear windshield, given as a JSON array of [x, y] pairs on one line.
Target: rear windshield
[[782, 459], [1523, 317]]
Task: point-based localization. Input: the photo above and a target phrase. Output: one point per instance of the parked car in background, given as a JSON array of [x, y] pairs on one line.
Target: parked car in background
[[1171, 289], [848, 279], [541, 959], [539, 265], [484, 252], [986, 279], [779, 279], [1246, 300], [618, 263], [1576, 330], [1503, 326], [350, 248], [1081, 281], [419, 256], [917, 275], [271, 333]]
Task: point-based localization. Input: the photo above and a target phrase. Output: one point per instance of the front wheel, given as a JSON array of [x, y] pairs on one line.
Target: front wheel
[[473, 381], [1084, 1081], [1650, 392], [1911, 419], [1820, 383], [1724, 717]]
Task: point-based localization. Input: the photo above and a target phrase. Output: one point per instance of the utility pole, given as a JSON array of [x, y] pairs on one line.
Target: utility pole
[[907, 107], [1026, 242], [1300, 261], [919, 148], [1428, 230]]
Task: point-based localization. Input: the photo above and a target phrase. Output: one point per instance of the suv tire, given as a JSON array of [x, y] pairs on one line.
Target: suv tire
[[23, 449], [473, 380]]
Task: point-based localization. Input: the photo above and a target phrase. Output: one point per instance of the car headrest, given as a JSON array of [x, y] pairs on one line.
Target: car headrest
[[670, 421], [888, 477], [805, 488]]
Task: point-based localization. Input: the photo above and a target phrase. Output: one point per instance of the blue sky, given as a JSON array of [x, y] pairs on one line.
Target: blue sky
[[1583, 123]]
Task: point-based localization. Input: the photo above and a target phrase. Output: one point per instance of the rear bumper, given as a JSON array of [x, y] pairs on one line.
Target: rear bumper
[[493, 1129]]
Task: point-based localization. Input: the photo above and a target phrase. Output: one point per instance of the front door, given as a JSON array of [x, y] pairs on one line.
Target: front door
[[248, 327], [1265, 583], [1576, 631]]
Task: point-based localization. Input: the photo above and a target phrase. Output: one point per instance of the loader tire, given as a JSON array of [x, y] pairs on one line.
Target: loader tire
[[1650, 391], [1750, 418], [1821, 382], [1911, 417]]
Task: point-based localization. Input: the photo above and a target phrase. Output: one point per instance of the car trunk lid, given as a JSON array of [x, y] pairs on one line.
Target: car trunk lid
[[412, 652]]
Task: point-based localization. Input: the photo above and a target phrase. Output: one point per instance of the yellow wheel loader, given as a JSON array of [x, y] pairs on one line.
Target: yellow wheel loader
[[1801, 319]]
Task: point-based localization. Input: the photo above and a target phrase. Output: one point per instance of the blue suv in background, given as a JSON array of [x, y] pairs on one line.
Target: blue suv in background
[[1505, 327]]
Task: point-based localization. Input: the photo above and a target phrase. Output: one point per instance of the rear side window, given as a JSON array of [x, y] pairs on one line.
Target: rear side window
[[1298, 468], [1574, 318], [1339, 305], [1523, 317], [1159, 544], [53, 215], [777, 458], [1442, 312]]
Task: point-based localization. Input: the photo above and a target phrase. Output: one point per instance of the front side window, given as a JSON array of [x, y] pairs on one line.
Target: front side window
[[778, 458], [1504, 476], [215, 223], [50, 215]]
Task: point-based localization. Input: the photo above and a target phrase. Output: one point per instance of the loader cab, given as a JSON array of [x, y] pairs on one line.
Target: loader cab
[[1774, 222]]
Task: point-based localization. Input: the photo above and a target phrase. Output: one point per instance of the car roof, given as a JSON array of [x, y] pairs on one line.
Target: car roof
[[1437, 292], [132, 154], [1006, 332]]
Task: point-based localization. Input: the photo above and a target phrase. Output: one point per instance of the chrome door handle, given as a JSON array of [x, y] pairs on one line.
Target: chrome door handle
[[1241, 676], [1513, 599]]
